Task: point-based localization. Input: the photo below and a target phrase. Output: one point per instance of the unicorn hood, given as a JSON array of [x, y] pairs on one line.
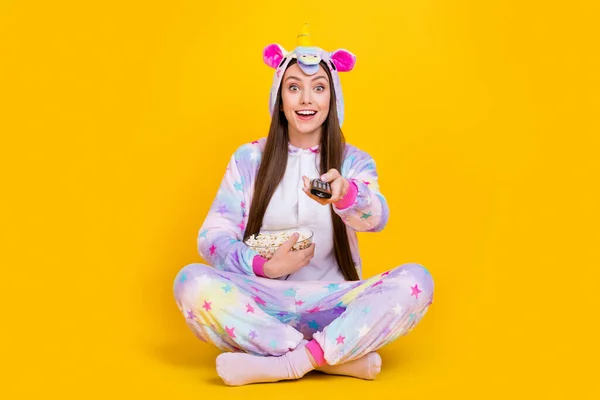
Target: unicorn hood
[[308, 58]]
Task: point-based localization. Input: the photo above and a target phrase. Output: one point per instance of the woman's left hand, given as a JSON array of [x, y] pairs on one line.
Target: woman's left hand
[[339, 187]]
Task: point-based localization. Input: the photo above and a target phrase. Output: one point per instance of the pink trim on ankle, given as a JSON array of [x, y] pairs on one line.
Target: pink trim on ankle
[[258, 265], [349, 198], [316, 351]]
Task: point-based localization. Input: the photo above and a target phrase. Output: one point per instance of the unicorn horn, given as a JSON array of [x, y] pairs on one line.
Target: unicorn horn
[[304, 36]]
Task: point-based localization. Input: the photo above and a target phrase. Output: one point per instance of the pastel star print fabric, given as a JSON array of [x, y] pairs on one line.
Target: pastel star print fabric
[[220, 239], [267, 317]]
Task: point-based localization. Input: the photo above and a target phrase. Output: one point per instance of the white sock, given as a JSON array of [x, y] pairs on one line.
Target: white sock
[[240, 368], [367, 367]]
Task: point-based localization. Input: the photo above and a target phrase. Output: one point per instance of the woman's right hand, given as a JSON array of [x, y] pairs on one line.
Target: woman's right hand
[[286, 261]]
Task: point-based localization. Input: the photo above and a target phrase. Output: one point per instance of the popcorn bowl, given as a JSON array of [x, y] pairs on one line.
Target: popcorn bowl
[[266, 243]]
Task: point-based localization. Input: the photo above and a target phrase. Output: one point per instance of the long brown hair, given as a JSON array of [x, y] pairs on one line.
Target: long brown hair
[[272, 170]]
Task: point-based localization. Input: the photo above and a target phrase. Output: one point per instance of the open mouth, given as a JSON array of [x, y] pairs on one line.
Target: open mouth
[[306, 114]]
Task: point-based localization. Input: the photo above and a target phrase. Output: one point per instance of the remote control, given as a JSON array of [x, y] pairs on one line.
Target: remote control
[[320, 189]]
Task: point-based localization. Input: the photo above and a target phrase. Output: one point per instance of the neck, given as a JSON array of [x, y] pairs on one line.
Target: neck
[[305, 140]]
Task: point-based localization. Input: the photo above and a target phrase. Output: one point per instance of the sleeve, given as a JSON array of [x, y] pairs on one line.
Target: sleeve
[[220, 239], [363, 208]]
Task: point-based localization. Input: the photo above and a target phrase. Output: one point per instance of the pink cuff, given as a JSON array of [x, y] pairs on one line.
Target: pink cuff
[[349, 198], [316, 351], [258, 265]]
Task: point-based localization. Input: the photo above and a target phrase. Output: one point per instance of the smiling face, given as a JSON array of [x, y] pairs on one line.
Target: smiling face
[[305, 100]]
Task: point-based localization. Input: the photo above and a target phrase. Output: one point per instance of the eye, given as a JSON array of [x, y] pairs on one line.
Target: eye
[[320, 88], [292, 87]]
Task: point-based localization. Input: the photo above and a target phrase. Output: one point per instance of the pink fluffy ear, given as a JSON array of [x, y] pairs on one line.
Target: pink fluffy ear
[[272, 55], [344, 60]]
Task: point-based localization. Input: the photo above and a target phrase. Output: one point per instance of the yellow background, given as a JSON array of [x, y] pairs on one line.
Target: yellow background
[[118, 119]]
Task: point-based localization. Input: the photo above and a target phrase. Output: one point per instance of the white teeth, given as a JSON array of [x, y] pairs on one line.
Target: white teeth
[[306, 112]]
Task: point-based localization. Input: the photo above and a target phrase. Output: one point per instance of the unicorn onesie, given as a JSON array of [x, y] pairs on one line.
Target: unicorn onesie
[[228, 302]]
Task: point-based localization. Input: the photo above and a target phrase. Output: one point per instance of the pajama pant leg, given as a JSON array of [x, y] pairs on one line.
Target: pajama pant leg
[[236, 312], [257, 315], [378, 311]]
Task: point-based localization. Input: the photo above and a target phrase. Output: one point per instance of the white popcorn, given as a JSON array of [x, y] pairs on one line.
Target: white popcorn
[[266, 243]]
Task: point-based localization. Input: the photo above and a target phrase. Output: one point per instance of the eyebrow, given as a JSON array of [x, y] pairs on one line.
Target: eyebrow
[[298, 79]]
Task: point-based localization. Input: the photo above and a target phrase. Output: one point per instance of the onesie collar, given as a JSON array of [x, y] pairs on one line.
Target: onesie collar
[[293, 150]]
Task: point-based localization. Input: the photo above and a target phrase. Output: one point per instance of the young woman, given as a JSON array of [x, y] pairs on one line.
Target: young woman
[[308, 309]]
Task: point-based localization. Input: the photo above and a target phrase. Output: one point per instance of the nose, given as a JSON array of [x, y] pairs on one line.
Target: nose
[[306, 97]]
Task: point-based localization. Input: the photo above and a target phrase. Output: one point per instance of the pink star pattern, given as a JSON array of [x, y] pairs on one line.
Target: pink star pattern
[[385, 273], [340, 339], [314, 310], [299, 302], [212, 249], [242, 225], [249, 308], [206, 305], [415, 291], [190, 314], [377, 283], [230, 332], [259, 300]]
